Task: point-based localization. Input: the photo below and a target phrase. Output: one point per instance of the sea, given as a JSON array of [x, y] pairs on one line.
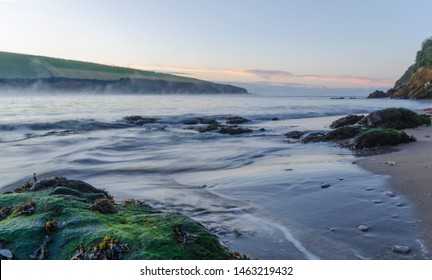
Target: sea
[[259, 192]]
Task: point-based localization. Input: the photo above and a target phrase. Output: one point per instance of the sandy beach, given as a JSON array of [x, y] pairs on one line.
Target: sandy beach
[[410, 169]]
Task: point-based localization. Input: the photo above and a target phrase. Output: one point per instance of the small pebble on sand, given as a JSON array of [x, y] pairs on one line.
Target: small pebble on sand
[[400, 249], [363, 228], [389, 194], [5, 253]]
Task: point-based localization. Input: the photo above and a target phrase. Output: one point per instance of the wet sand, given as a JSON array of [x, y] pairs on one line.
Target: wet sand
[[411, 174]]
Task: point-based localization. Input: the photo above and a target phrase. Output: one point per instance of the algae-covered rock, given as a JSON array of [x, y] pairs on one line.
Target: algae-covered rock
[[377, 137], [65, 225], [396, 118]]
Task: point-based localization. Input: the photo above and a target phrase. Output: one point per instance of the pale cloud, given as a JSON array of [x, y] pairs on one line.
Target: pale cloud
[[271, 76]]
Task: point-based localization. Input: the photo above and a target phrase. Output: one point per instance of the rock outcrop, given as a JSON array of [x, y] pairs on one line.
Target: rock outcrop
[[379, 128], [60, 219]]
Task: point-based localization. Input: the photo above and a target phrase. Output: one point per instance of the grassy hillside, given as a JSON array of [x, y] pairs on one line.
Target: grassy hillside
[[13, 65]]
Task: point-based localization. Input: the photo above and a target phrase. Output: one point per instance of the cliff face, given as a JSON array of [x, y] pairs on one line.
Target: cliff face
[[37, 73], [416, 82]]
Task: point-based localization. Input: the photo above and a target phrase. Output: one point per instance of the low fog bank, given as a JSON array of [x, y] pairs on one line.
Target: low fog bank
[[265, 89]]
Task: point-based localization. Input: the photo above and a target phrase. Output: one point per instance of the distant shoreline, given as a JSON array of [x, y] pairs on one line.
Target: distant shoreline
[[411, 174]]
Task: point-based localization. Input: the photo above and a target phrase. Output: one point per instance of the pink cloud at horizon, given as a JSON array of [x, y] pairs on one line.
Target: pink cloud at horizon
[[270, 76]]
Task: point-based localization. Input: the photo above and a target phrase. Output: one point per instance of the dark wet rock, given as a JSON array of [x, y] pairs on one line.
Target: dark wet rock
[[6, 254], [400, 249], [314, 136], [237, 120], [389, 194], [396, 118], [195, 121], [400, 204], [348, 120], [377, 201], [210, 127], [233, 130], [342, 133], [138, 120], [262, 129], [275, 119], [24, 187], [325, 186], [377, 137], [65, 223], [363, 228], [295, 134], [76, 185], [378, 94], [104, 206]]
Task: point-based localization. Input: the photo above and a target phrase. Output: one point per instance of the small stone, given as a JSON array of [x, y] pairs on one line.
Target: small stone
[[262, 129], [363, 228], [332, 229], [5, 253], [275, 119], [389, 194], [391, 163], [325, 186], [377, 201], [400, 204], [340, 179], [369, 189], [400, 249]]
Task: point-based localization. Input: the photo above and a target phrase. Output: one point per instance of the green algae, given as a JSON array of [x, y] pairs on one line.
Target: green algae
[[376, 137], [72, 223]]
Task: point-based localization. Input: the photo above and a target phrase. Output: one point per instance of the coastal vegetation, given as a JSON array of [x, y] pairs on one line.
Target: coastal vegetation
[[39, 73]]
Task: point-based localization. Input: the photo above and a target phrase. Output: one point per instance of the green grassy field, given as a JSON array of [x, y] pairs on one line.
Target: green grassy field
[[13, 65]]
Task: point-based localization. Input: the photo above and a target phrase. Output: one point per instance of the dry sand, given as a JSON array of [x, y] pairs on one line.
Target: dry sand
[[411, 174]]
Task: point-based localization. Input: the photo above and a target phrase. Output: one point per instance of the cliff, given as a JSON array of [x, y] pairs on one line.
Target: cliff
[[38, 73], [416, 82]]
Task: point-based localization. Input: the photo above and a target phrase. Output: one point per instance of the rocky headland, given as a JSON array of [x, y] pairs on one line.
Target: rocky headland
[[416, 82], [20, 72]]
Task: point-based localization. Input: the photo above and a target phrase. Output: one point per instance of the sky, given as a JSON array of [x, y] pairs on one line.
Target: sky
[[308, 43]]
